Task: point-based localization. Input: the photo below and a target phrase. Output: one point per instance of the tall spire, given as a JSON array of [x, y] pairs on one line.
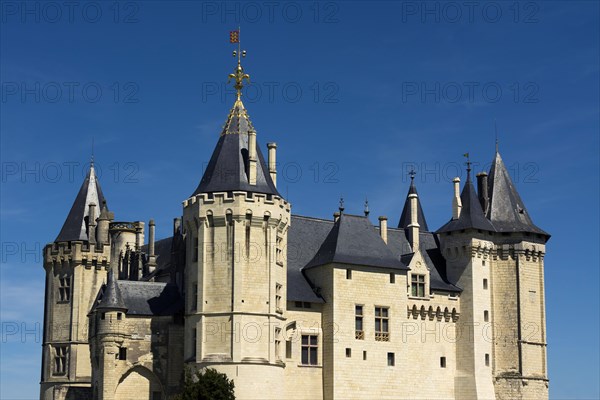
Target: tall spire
[[76, 224], [237, 163]]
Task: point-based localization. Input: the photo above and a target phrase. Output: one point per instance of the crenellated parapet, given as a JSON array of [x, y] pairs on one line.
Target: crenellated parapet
[[77, 253]]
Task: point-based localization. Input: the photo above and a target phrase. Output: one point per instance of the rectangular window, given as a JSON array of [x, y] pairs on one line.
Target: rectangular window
[[382, 324], [277, 343], [122, 353], [64, 289], [364, 355], [194, 299], [119, 316], [442, 362], [487, 360], [348, 352], [60, 360], [391, 360], [348, 273], [392, 278], [417, 285], [309, 349], [194, 337], [279, 250], [485, 284], [278, 288], [486, 316], [288, 349], [358, 323]]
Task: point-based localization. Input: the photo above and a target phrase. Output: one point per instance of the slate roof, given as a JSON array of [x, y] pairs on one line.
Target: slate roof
[[111, 297], [405, 216], [354, 240], [506, 210], [398, 244], [471, 214], [148, 298], [75, 226], [228, 167]]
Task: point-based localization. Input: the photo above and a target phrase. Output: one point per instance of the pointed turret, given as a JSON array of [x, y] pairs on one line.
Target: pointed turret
[[506, 209], [471, 214], [76, 224], [111, 297], [230, 166], [405, 216]]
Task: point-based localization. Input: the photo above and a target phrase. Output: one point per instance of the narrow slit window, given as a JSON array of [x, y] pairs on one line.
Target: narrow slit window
[[348, 273], [442, 362], [391, 359]]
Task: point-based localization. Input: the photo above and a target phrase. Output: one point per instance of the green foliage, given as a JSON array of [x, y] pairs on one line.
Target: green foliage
[[208, 384]]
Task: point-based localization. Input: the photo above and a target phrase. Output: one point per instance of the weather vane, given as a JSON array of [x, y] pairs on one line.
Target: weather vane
[[412, 174], [238, 75]]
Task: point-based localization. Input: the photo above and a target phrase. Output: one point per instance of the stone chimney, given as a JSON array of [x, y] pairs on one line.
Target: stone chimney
[[482, 190], [139, 235], [252, 157], [383, 228], [273, 162], [413, 227], [336, 216], [102, 233], [151, 240], [456, 203]]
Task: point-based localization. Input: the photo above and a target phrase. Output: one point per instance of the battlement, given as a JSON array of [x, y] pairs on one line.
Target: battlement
[[221, 198], [77, 252]]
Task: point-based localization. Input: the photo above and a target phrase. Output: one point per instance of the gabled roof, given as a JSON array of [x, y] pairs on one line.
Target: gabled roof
[[228, 167], [354, 240], [471, 214], [506, 210], [75, 226], [405, 217], [111, 296]]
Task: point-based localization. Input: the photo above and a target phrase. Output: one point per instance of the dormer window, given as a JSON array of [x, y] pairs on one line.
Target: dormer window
[[417, 285]]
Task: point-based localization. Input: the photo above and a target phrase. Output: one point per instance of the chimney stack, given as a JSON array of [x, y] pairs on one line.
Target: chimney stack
[[456, 203], [482, 190], [139, 235], [273, 162], [92, 223], [252, 157], [336, 216], [413, 227], [383, 228], [151, 240], [102, 233]]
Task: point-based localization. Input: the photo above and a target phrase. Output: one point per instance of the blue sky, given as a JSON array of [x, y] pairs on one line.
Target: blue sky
[[354, 93]]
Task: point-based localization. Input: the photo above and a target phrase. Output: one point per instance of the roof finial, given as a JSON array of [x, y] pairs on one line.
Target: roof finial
[[496, 131], [468, 166], [412, 174], [367, 207], [238, 75], [341, 204], [92, 159]]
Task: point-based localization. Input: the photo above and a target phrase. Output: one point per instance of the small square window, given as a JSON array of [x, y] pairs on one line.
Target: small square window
[[485, 284], [348, 273], [391, 360], [348, 352], [442, 362]]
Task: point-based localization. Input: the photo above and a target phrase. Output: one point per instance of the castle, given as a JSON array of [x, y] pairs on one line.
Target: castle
[[290, 306]]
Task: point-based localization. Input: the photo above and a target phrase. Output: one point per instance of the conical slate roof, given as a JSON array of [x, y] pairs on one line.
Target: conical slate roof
[[111, 297], [471, 214], [354, 240], [75, 226], [228, 167], [405, 217], [506, 210]]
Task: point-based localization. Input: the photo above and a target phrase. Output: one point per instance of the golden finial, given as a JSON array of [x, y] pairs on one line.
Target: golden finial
[[238, 75]]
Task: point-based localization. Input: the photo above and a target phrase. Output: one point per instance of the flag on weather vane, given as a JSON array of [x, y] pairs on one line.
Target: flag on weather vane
[[234, 36]]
